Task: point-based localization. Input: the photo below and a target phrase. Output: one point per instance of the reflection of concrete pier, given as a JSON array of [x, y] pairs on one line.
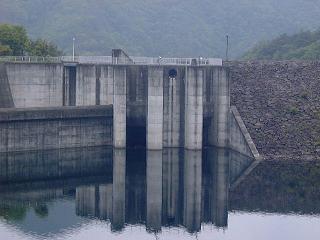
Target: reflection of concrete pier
[[118, 189], [172, 179], [192, 190], [173, 187], [220, 187], [154, 190]]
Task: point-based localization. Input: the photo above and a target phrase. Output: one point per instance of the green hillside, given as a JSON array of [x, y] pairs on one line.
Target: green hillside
[[303, 45], [160, 27]]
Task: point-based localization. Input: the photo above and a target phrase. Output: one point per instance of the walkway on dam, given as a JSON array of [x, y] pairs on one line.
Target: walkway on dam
[[108, 60]]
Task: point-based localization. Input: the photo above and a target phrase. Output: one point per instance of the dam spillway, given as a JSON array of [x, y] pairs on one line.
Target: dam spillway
[[157, 103]]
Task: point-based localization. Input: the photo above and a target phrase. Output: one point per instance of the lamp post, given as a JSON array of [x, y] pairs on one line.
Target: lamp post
[[73, 39], [227, 48]]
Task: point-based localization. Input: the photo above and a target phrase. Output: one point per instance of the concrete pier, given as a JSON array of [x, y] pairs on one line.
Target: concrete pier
[[173, 118], [120, 107], [155, 108], [193, 108], [106, 85], [221, 96]]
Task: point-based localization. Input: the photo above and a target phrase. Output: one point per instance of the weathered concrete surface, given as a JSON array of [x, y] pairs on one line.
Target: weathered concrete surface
[[151, 107], [86, 91], [120, 107], [155, 108], [6, 100], [173, 108], [279, 104], [51, 128], [240, 139], [106, 84], [193, 123], [219, 135], [35, 85]]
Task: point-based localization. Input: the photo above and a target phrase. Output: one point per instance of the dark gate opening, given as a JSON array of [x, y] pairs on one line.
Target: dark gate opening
[[69, 85]]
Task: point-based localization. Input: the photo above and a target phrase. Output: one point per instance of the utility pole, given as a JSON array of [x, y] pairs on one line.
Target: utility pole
[[73, 48], [227, 48]]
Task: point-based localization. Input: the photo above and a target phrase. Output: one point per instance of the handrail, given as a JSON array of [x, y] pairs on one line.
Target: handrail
[[108, 60]]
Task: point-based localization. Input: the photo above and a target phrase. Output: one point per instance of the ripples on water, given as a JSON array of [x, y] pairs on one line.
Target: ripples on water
[[101, 193]]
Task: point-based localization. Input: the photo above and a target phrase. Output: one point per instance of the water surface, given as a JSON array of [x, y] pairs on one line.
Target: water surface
[[101, 193]]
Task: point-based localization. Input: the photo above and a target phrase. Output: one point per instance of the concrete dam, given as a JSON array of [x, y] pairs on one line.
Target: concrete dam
[[48, 103]]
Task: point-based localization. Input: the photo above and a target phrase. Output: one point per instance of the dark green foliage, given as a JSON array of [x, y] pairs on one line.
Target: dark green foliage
[[14, 41], [160, 27], [42, 47], [13, 213], [304, 45], [5, 50]]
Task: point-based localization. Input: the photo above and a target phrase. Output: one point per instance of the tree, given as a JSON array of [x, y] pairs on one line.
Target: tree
[[303, 45], [13, 39], [41, 47], [5, 50]]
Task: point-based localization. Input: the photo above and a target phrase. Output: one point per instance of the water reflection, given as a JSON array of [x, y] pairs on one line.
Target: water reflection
[[173, 187]]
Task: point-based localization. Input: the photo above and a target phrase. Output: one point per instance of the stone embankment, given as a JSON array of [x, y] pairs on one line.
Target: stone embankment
[[279, 102]]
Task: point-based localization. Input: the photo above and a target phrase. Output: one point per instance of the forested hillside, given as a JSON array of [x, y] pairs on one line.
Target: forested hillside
[[303, 45], [160, 27]]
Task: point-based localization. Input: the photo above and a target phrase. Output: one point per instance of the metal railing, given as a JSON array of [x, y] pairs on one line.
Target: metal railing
[[108, 60], [33, 59], [176, 61]]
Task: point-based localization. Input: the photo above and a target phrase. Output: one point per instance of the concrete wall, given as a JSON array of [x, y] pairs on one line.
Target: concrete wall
[[106, 84], [240, 139], [151, 108], [86, 85], [35, 85], [49, 128], [6, 100]]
